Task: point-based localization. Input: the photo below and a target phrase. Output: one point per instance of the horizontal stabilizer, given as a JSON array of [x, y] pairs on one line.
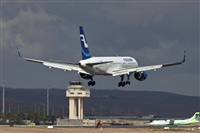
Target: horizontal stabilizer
[[65, 62], [98, 63]]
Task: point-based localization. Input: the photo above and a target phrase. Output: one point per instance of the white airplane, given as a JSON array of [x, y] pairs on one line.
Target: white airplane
[[194, 119], [113, 65]]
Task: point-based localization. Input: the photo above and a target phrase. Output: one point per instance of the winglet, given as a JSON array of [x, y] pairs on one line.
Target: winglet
[[28, 59], [175, 63], [19, 54], [184, 56]]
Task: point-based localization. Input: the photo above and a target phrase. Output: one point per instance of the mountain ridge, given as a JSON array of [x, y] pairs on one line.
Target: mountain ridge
[[104, 102]]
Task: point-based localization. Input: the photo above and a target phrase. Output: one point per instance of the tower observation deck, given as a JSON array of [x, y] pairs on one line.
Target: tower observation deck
[[76, 92]]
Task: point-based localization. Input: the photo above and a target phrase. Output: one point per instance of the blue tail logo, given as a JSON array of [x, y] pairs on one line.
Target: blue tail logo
[[84, 45]]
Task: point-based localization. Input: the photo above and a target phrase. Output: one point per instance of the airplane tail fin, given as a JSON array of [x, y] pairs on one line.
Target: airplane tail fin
[[84, 46], [196, 117]]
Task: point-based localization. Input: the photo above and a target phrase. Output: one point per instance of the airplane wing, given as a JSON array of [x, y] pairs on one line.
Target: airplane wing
[[66, 66], [145, 68]]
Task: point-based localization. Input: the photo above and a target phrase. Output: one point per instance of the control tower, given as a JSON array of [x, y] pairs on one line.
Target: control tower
[[76, 92]]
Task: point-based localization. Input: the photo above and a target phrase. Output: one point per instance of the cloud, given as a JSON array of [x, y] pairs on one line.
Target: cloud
[[129, 13], [36, 32], [151, 32]]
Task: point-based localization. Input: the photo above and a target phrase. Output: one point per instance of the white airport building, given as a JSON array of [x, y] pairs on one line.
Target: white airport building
[[76, 93]]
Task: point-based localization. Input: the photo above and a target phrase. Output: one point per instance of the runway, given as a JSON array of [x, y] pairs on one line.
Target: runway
[[44, 129]]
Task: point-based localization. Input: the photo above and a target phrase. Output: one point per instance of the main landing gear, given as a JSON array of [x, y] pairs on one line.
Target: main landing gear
[[91, 83], [122, 83]]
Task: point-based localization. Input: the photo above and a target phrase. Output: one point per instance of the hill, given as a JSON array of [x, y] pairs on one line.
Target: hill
[[103, 102]]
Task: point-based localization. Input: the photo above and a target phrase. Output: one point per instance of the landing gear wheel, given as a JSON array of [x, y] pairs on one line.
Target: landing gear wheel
[[128, 82], [121, 84], [91, 83]]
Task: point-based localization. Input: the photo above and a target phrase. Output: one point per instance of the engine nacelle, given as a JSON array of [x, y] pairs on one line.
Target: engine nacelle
[[85, 76], [141, 75]]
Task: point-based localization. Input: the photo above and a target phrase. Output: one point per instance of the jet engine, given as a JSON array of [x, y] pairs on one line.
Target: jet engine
[[85, 76], [141, 75]]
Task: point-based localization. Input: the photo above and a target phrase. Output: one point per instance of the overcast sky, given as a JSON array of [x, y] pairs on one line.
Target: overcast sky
[[152, 32]]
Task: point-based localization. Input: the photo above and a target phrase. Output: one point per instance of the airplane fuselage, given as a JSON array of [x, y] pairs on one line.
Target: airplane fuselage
[[171, 122], [160, 122], [114, 63]]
